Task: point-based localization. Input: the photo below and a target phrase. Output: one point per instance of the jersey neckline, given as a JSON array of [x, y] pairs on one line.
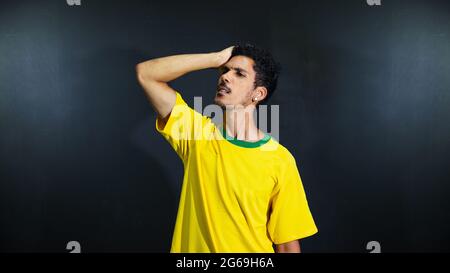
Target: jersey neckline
[[243, 143]]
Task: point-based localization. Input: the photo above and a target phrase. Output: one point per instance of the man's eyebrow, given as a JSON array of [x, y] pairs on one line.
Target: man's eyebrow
[[238, 69]]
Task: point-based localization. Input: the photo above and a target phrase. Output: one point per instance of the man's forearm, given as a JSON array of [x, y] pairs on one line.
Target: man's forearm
[[166, 69]]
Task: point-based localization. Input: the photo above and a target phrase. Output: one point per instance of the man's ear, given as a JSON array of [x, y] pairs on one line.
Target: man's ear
[[259, 94]]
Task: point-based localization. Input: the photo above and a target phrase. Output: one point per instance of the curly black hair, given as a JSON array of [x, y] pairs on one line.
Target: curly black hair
[[266, 68]]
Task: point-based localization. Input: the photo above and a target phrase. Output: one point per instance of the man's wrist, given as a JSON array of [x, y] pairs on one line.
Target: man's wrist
[[217, 58]]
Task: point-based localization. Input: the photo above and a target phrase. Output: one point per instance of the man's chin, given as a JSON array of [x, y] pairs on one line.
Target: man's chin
[[218, 101]]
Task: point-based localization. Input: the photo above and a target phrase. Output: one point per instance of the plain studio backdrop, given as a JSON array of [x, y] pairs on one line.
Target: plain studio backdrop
[[364, 101]]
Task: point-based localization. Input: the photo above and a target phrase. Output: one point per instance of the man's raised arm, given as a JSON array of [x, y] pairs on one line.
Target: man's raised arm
[[153, 75]]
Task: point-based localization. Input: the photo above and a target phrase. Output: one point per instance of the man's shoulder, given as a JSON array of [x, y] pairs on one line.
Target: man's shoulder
[[278, 150], [276, 147]]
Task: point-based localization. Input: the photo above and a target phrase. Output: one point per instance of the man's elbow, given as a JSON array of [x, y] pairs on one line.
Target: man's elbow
[[147, 71], [141, 73]]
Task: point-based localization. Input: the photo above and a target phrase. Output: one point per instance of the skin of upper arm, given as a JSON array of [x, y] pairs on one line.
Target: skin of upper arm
[[289, 247]]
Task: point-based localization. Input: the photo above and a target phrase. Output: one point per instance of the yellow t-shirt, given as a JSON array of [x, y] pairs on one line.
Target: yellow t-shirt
[[236, 196]]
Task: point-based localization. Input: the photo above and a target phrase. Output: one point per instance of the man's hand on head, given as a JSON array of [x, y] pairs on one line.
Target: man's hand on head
[[224, 55]]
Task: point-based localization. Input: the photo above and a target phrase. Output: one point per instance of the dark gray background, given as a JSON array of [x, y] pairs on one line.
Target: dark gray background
[[364, 104]]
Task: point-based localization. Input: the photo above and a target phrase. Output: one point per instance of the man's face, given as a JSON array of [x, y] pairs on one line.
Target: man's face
[[236, 82]]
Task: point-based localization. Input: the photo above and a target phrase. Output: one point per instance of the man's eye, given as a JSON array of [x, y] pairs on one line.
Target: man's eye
[[222, 70], [240, 74]]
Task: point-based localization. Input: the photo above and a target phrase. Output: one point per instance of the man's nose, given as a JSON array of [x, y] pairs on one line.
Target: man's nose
[[225, 77]]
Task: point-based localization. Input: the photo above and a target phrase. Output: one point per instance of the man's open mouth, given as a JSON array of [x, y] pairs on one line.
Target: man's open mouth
[[223, 90]]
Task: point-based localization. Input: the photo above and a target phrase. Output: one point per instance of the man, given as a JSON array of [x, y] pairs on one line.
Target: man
[[241, 191]]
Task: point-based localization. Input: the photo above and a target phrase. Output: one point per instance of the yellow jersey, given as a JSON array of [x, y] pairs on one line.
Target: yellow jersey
[[236, 196]]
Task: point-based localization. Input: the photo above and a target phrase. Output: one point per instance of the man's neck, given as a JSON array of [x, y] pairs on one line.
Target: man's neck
[[241, 125]]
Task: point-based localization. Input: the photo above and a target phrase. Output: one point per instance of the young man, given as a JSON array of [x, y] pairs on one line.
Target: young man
[[241, 191]]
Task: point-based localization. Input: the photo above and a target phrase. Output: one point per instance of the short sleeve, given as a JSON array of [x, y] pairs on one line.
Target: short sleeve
[[290, 217], [181, 127]]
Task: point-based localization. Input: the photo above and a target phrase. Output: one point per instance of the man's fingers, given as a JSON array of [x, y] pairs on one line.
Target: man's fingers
[[225, 55]]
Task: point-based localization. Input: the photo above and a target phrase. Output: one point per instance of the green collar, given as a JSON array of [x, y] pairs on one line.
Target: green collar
[[243, 143]]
